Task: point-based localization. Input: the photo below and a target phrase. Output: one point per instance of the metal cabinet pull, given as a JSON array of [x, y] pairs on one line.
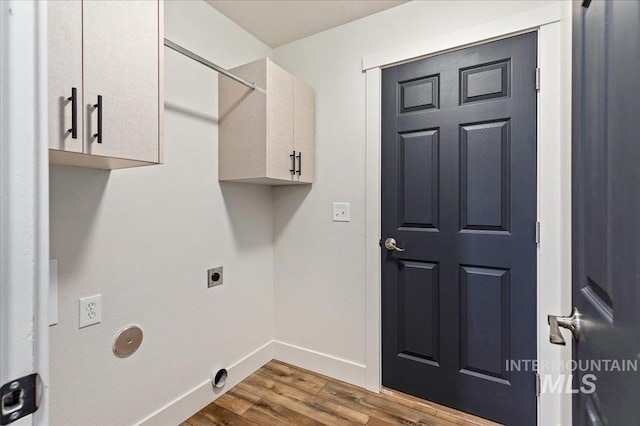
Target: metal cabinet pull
[[299, 163], [74, 113], [293, 163], [98, 135]]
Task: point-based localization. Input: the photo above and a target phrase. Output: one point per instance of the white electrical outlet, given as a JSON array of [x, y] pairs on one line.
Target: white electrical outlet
[[90, 310], [341, 212]]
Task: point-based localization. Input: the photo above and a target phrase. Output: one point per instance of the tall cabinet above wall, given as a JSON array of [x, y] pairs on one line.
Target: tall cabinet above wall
[[265, 135], [105, 83]]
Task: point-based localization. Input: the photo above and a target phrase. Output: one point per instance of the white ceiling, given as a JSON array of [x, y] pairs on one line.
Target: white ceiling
[[277, 22]]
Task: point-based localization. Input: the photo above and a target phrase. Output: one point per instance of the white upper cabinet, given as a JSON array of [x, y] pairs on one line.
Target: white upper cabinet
[[265, 135], [111, 52], [65, 75]]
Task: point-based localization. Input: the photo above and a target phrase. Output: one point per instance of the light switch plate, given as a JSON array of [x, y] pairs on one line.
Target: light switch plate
[[90, 311], [341, 212]]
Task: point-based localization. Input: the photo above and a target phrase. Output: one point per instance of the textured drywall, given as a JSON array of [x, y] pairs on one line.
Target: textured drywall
[[319, 272], [144, 238]]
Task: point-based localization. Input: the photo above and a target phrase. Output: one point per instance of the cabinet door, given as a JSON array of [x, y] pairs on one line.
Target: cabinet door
[[65, 73], [121, 64], [303, 130], [280, 123]]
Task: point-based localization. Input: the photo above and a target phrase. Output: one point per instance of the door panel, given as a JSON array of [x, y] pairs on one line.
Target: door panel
[[485, 313], [606, 207], [485, 179], [419, 322], [121, 54], [459, 195], [486, 81], [419, 94], [419, 180], [65, 72]]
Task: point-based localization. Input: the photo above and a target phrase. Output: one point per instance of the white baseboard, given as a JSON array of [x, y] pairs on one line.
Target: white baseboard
[[193, 401], [328, 365]]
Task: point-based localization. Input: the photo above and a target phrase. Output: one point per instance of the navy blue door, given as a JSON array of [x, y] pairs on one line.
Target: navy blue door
[[459, 196], [606, 210]]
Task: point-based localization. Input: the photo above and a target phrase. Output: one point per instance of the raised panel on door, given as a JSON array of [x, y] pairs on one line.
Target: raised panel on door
[[485, 322], [279, 123], [419, 94], [65, 73], [303, 129], [419, 313], [121, 63], [418, 183], [485, 176]]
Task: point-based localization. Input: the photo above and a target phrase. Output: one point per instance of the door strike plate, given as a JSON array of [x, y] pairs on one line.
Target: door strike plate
[[19, 398]]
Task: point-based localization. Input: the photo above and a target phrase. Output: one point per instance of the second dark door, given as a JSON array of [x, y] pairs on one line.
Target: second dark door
[[606, 207], [459, 196]]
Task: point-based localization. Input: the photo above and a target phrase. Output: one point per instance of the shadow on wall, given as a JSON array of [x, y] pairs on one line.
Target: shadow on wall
[[243, 218], [76, 195], [247, 225], [289, 199], [191, 113]]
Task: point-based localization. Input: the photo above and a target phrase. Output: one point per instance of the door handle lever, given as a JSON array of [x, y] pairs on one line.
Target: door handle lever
[[390, 244], [571, 323]]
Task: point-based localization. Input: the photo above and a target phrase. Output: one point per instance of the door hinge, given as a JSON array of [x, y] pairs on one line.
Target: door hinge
[[537, 78], [537, 384], [537, 232], [19, 398]]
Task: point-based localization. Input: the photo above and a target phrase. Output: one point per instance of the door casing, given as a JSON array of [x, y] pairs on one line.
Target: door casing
[[554, 179], [24, 182]]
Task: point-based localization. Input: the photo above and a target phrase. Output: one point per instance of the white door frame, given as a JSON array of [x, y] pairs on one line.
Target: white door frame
[[24, 197], [554, 180]]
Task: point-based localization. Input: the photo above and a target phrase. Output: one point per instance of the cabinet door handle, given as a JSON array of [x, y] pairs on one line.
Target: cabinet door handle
[[98, 135], [74, 113], [299, 163], [293, 163]]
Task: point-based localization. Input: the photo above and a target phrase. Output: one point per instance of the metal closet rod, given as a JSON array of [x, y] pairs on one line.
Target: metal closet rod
[[171, 45]]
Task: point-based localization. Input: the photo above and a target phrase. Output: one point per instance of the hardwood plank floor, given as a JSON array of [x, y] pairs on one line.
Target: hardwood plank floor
[[281, 394]]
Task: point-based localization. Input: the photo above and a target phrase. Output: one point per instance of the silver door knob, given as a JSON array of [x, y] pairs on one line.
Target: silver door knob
[[571, 323], [390, 244]]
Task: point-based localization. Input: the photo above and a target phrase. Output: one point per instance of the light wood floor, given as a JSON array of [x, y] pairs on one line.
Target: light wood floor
[[280, 394]]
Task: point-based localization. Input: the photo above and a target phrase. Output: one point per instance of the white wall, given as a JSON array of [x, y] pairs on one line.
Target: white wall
[[319, 272], [144, 238]]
